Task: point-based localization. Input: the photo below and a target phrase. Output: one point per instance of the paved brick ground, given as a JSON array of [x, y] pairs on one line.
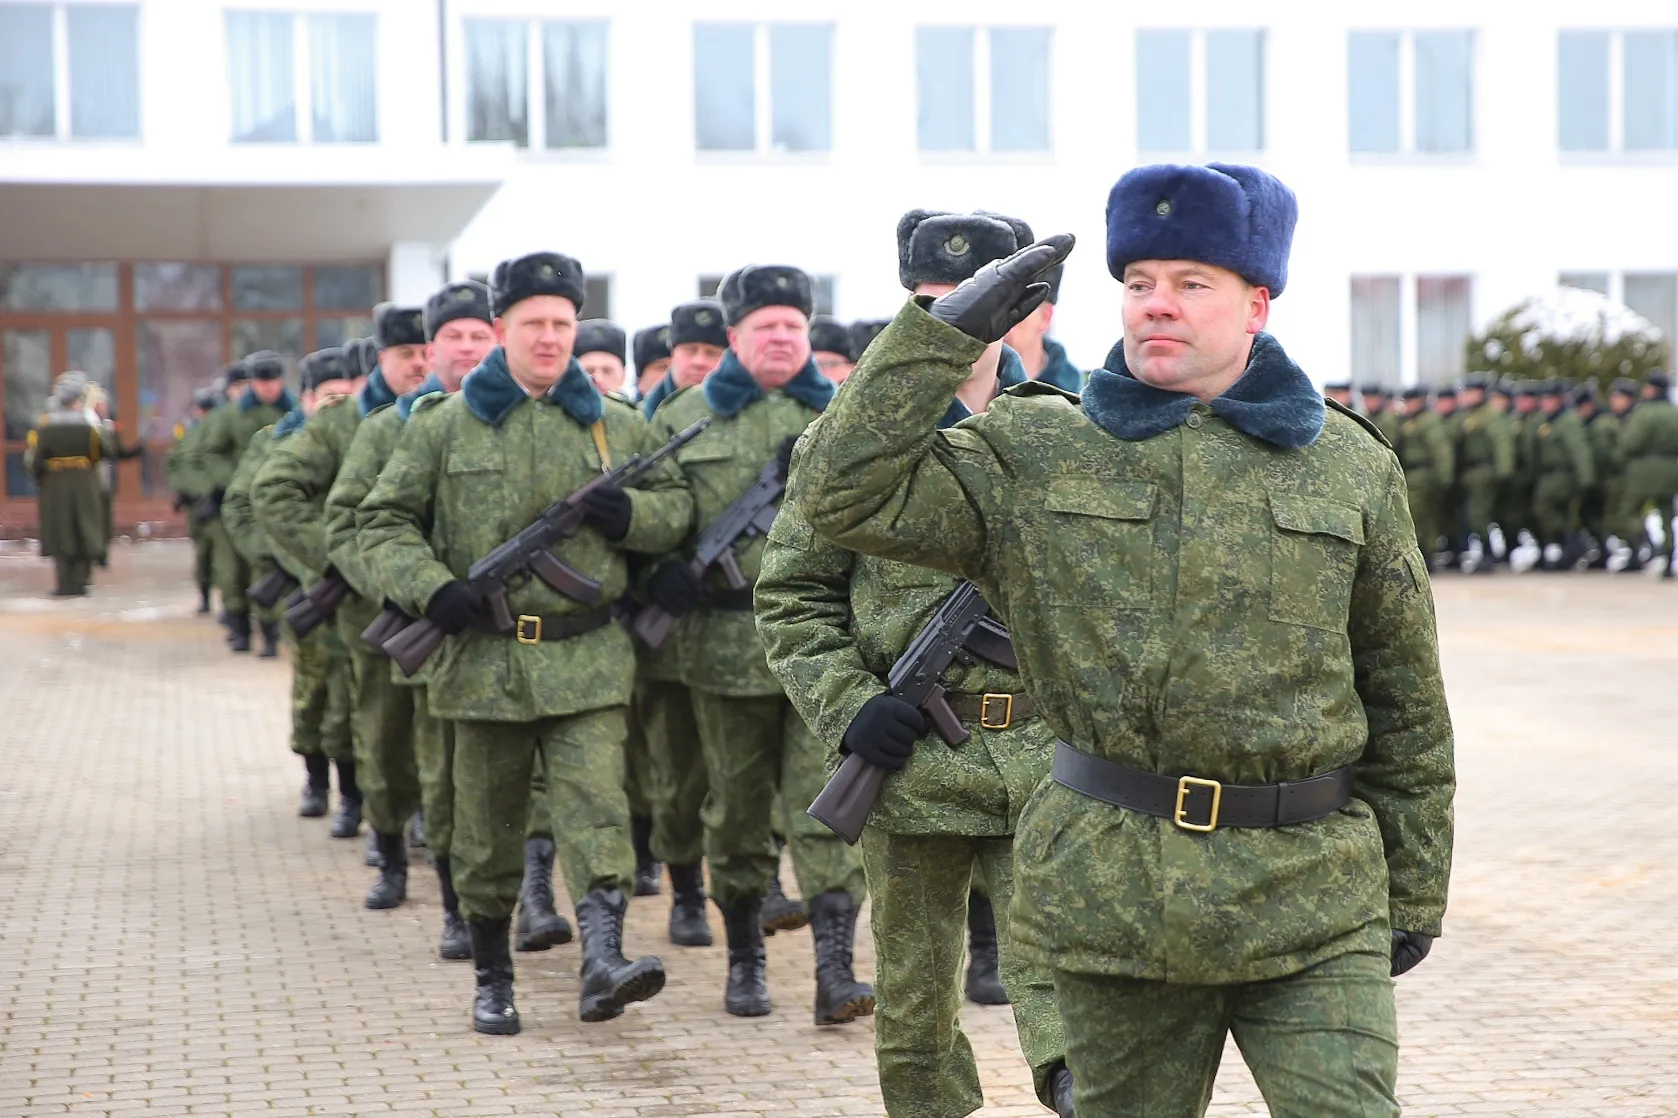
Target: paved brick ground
[[176, 941]]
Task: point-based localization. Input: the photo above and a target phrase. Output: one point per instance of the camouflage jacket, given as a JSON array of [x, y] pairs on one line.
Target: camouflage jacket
[[227, 431], [237, 514], [1425, 450], [175, 461], [1485, 441], [718, 649], [1559, 445], [1195, 601], [1603, 432], [467, 478], [1388, 422], [664, 663], [1651, 431]]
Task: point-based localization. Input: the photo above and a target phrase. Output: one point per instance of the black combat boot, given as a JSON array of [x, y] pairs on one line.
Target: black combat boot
[[416, 830], [346, 821], [457, 938], [688, 926], [781, 913], [608, 981], [239, 632], [204, 598], [391, 889], [840, 998], [315, 789], [493, 1011], [270, 640], [540, 927], [646, 866], [747, 993], [1060, 1090], [984, 984]]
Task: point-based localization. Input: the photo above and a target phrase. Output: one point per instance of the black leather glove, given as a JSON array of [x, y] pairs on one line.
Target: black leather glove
[[608, 508], [1409, 948], [884, 732], [783, 454], [454, 607], [182, 502], [674, 588], [1003, 292], [207, 507]]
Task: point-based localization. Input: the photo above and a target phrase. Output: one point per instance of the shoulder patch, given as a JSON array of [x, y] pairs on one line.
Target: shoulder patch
[[382, 407], [429, 400], [1039, 388], [1360, 419], [618, 405], [679, 394]]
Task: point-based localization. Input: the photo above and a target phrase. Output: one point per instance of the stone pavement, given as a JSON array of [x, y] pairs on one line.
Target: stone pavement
[[176, 941]]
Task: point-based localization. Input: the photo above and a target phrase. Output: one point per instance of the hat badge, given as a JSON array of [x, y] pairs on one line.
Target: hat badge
[[546, 271], [1163, 207], [956, 245], [663, 335], [463, 295], [702, 318], [782, 282]]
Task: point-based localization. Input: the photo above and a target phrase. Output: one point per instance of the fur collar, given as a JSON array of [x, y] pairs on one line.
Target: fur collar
[[248, 401], [375, 393], [405, 402], [1274, 400], [491, 392], [657, 396], [289, 422], [1010, 370], [731, 389]]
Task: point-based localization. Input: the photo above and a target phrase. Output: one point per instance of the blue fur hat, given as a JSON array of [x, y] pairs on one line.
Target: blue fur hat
[[538, 273], [757, 286], [1235, 217], [454, 301], [651, 344], [597, 335], [701, 321], [394, 325], [265, 364], [938, 247], [829, 335], [323, 365]]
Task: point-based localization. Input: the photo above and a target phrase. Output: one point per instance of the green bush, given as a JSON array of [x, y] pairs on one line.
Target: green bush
[[1571, 334]]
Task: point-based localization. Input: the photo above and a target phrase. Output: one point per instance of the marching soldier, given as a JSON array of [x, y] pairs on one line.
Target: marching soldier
[[1044, 358], [652, 358], [833, 624], [1564, 470], [1649, 448], [203, 573], [1424, 450], [249, 540], [1602, 431], [698, 338], [62, 454], [1525, 421], [1377, 406], [1340, 392], [528, 428], [1258, 556], [216, 455], [1486, 463], [602, 350], [755, 744], [830, 345]]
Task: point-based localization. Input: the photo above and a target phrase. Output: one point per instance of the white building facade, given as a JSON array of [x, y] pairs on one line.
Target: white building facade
[[182, 179]]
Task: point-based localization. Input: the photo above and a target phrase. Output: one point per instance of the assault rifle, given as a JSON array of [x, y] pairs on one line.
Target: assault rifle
[[960, 625], [319, 603], [531, 552], [271, 587], [750, 515], [391, 620]]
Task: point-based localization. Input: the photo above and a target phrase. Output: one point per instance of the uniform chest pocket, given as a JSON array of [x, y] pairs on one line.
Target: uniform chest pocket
[[1313, 560], [1098, 539], [472, 481]]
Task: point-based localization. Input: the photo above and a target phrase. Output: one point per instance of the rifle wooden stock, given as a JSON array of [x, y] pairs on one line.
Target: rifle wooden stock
[[270, 588], [413, 646], [318, 605], [847, 798], [390, 621], [653, 625]]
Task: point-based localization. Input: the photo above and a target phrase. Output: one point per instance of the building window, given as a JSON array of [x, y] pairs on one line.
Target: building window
[[1377, 331], [338, 102], [497, 81], [1585, 281], [1654, 295], [97, 97], [557, 94], [1410, 92], [982, 89], [574, 83], [1200, 91], [1443, 326], [1642, 66], [822, 289], [793, 60]]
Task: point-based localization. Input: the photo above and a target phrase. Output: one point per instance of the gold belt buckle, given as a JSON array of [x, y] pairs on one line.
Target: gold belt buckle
[[1183, 786], [528, 630], [1007, 702]]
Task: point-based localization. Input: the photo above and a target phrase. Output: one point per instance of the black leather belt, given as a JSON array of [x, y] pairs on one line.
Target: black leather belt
[[739, 600], [535, 628], [993, 711], [1196, 803]]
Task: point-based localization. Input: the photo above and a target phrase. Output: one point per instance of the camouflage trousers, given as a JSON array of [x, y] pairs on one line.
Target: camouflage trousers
[[203, 553], [1649, 483], [434, 761], [382, 721], [675, 782], [582, 755], [233, 573], [755, 747], [1555, 506], [320, 695], [1481, 492], [919, 886], [1322, 1043]]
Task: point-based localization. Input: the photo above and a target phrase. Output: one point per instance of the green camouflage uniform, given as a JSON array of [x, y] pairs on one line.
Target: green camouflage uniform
[[456, 487], [1486, 464], [755, 744], [833, 624], [290, 496], [1649, 448], [1388, 421], [175, 477], [1597, 509], [1518, 495], [1424, 450], [1564, 469], [210, 463], [1198, 601]]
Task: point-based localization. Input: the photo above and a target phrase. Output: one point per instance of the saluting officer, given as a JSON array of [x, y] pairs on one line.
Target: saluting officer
[[1218, 605]]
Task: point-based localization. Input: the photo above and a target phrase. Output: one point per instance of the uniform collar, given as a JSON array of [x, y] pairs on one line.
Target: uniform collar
[[405, 402], [731, 389], [375, 393], [491, 393]]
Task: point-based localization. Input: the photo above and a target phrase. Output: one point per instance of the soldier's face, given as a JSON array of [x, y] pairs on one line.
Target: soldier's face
[[1188, 326], [834, 366], [404, 367], [1620, 403], [1341, 396], [268, 391], [1524, 405], [459, 347], [1472, 398], [538, 334], [234, 391], [1373, 405], [692, 362], [604, 369], [1029, 333], [653, 373], [773, 343], [1445, 405]]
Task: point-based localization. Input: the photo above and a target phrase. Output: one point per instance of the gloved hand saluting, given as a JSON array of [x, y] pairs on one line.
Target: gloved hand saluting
[[1003, 292], [1409, 948], [884, 731]]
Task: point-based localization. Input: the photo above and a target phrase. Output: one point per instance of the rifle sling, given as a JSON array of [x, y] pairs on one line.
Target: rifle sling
[[598, 430]]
